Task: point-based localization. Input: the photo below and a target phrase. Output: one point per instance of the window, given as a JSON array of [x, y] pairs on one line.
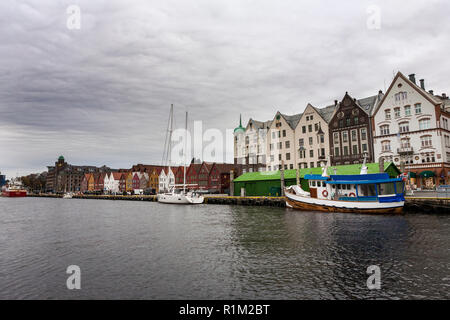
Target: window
[[426, 141], [311, 164], [341, 123], [367, 190], [355, 149], [445, 121], [397, 112], [310, 141], [288, 144], [401, 96], [336, 151], [403, 127], [447, 140], [404, 143], [418, 108], [303, 129], [310, 117], [284, 133], [345, 151], [387, 114], [384, 130], [356, 120], [288, 156], [300, 142], [271, 147], [336, 137], [364, 147], [348, 121], [291, 166], [322, 152], [311, 153], [316, 127], [407, 110], [322, 138], [353, 135], [385, 146], [309, 127], [280, 145], [386, 189], [363, 134], [302, 154], [344, 136], [424, 124], [279, 157]]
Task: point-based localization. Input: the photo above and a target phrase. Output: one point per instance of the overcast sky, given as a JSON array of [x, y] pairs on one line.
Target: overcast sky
[[101, 94]]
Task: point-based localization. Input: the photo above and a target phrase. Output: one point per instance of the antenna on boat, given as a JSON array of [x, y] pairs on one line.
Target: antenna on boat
[[364, 167]]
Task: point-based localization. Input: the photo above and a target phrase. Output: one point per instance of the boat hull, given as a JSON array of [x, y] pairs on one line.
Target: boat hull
[[14, 193], [312, 204], [179, 199]]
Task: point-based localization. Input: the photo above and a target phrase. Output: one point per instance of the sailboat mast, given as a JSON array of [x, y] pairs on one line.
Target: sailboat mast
[[185, 151], [170, 144]]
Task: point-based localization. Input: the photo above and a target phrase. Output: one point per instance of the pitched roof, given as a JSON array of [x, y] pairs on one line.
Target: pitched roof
[[116, 175], [292, 120], [368, 104], [291, 174], [326, 113], [224, 167]]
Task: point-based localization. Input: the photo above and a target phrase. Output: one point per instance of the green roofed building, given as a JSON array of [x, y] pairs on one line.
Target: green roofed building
[[268, 183]]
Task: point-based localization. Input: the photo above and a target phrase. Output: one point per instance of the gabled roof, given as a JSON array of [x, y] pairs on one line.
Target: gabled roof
[[259, 124], [326, 113], [224, 167], [116, 175], [431, 98], [292, 120], [368, 104]]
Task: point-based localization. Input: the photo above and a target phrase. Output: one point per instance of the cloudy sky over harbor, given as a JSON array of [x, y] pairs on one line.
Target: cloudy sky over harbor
[[101, 94]]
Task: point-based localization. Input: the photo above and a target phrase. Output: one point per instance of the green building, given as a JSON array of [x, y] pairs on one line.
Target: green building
[[268, 183]]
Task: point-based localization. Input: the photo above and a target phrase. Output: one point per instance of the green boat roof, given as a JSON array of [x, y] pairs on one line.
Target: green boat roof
[[291, 174]]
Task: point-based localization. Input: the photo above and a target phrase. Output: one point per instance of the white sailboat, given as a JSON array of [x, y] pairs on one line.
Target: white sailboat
[[177, 194]]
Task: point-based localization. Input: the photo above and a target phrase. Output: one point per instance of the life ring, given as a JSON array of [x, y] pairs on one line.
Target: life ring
[[351, 194], [325, 193]]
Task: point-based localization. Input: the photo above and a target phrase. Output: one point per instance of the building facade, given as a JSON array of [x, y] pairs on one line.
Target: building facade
[[350, 130], [411, 128], [312, 137]]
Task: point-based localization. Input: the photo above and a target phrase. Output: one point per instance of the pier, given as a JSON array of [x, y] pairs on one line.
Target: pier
[[412, 204]]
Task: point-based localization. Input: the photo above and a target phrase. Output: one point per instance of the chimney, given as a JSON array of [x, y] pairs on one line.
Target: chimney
[[422, 83], [335, 102], [444, 95], [412, 78], [431, 92], [380, 92]]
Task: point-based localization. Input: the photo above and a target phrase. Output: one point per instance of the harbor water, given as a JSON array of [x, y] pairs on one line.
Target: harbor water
[[147, 250]]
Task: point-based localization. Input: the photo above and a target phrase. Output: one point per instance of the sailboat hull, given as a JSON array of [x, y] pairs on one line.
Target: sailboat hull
[[179, 199]]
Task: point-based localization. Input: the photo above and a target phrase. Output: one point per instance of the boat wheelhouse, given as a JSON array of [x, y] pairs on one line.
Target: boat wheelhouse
[[365, 193]]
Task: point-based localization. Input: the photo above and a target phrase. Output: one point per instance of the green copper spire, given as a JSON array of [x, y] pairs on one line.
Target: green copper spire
[[240, 128]]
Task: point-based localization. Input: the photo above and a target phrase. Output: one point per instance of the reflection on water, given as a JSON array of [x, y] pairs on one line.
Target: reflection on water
[[153, 251]]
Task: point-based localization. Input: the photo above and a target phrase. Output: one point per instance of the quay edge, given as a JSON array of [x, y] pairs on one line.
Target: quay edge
[[412, 204]]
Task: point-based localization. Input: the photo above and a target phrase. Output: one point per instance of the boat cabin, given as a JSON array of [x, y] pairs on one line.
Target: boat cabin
[[364, 187]]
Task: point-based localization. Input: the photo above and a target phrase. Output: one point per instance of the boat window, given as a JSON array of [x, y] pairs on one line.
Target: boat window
[[324, 184], [400, 186], [385, 189], [366, 190], [313, 183]]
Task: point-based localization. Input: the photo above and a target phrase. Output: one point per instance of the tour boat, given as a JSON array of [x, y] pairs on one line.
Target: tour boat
[[363, 193], [14, 190], [177, 193]]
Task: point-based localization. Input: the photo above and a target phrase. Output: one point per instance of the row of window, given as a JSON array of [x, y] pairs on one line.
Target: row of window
[[425, 141], [353, 133], [407, 110], [345, 151], [404, 127]]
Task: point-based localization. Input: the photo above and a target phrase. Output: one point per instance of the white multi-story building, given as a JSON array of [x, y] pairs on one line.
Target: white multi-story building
[[250, 145], [411, 128], [281, 148], [166, 179], [311, 137]]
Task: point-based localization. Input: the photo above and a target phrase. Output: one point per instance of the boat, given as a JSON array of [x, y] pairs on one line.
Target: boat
[[178, 194], [14, 190], [68, 195], [375, 193]]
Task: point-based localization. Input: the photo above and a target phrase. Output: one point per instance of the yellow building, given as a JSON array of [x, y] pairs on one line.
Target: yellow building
[[91, 182], [129, 182], [154, 180]]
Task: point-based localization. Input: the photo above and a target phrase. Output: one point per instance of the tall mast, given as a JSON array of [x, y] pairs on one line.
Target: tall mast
[[185, 151], [170, 143]]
